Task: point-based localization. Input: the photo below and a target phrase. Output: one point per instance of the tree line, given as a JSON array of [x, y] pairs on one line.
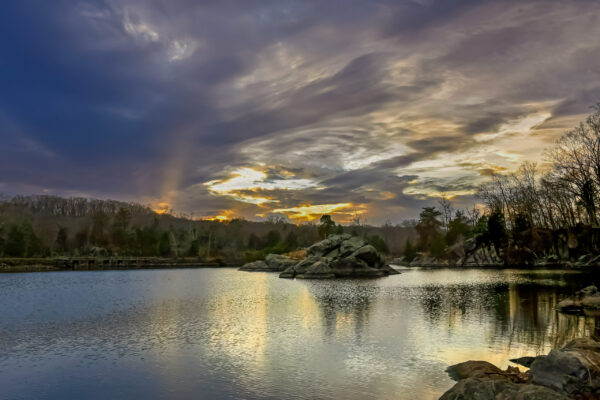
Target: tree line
[[44, 226], [548, 203]]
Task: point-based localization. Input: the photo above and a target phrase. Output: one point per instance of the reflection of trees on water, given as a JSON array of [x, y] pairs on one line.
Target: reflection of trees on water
[[524, 313], [344, 306]]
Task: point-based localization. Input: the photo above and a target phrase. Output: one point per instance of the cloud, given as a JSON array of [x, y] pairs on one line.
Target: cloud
[[139, 29], [240, 110]]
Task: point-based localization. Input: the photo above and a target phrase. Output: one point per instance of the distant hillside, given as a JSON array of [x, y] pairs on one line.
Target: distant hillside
[[41, 225]]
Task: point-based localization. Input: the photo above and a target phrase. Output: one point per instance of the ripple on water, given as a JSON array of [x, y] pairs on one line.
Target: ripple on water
[[221, 333]]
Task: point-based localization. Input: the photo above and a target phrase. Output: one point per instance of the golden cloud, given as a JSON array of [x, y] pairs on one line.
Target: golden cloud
[[310, 212], [246, 179]]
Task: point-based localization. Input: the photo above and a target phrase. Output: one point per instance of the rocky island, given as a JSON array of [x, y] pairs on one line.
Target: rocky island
[[338, 256]]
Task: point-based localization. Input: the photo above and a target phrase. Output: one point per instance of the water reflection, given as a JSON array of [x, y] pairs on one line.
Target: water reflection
[[220, 333]]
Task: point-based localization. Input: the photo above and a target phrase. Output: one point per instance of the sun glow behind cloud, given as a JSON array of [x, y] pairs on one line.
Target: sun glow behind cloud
[[311, 212], [247, 179]]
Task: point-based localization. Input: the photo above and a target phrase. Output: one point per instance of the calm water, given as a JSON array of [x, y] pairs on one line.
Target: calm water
[[220, 333]]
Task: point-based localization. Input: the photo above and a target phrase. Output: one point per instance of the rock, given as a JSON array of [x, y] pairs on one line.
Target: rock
[[353, 244], [560, 371], [456, 253], [399, 261], [390, 270], [340, 256], [572, 372], [277, 262], [486, 389], [272, 263], [573, 369], [351, 267], [474, 369], [318, 270], [323, 247], [585, 299], [423, 260], [588, 291], [288, 273], [368, 254], [255, 266], [524, 361]]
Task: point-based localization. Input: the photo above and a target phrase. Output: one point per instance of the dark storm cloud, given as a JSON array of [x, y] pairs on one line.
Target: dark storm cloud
[[413, 17], [151, 99], [357, 89]]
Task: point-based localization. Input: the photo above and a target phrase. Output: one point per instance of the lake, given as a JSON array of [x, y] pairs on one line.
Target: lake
[[226, 334]]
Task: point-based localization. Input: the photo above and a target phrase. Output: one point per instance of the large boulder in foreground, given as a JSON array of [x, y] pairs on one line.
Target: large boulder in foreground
[[340, 256], [272, 263], [572, 372], [574, 369], [489, 389]]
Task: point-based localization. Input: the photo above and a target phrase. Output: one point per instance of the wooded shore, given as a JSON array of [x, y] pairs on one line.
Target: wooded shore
[[9, 265]]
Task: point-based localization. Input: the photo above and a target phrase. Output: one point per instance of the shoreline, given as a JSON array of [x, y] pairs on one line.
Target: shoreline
[[54, 265], [567, 266], [101, 264]]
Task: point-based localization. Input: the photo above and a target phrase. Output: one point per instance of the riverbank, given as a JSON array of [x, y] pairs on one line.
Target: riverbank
[[573, 372], [550, 266], [13, 265]]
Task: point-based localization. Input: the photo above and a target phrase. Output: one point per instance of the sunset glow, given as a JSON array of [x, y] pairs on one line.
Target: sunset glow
[[312, 212]]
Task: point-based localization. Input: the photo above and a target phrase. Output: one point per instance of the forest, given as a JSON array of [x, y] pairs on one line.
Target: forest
[[548, 210], [50, 226]]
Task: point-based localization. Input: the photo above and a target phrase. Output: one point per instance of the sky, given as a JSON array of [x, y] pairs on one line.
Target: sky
[[253, 109]]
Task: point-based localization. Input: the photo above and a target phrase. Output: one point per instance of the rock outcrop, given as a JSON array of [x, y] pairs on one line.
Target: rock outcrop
[[339, 256], [572, 372], [587, 299], [272, 263], [259, 265], [576, 247], [278, 262]]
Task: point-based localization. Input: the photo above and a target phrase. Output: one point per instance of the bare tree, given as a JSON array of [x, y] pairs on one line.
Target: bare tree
[[446, 210]]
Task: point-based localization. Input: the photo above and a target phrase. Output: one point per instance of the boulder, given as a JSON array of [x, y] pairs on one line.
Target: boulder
[[368, 254], [259, 265], [486, 389], [572, 372], [524, 361], [399, 261], [560, 371], [352, 245], [318, 270], [574, 369], [323, 247], [278, 262], [272, 263], [474, 369], [587, 298], [340, 256]]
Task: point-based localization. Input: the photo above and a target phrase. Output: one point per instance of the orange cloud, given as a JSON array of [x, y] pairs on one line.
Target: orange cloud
[[247, 179], [310, 212], [162, 208]]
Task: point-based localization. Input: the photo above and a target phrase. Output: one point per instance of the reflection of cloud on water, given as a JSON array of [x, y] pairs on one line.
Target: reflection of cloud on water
[[238, 327], [247, 334]]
